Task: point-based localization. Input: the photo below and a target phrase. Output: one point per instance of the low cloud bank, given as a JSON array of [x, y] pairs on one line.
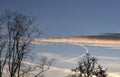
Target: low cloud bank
[[105, 40]]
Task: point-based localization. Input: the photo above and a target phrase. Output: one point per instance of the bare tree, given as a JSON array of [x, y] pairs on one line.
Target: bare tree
[[2, 54], [38, 69], [19, 38], [88, 67], [100, 72], [43, 66], [15, 42]]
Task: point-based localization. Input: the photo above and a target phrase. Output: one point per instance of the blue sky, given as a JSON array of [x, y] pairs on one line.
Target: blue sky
[[59, 18], [69, 18]]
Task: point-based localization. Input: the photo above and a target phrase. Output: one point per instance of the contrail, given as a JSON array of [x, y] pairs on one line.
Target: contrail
[[79, 41], [83, 46], [70, 60], [104, 57], [75, 58]]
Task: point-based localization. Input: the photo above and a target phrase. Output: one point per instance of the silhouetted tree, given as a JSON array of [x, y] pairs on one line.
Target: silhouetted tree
[[2, 53], [88, 67], [38, 69], [15, 43], [100, 72], [18, 38], [43, 66]]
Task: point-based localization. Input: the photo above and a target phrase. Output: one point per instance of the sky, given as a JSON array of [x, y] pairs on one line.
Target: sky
[[73, 19]]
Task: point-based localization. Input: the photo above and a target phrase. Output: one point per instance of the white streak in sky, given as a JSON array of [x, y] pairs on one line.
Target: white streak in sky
[[83, 46], [70, 60], [82, 42], [104, 57], [75, 58]]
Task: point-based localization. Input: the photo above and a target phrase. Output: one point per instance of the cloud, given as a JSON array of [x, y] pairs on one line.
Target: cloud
[[68, 71], [112, 65], [59, 58], [106, 40], [105, 57], [65, 71], [111, 40], [113, 74], [73, 60], [52, 68]]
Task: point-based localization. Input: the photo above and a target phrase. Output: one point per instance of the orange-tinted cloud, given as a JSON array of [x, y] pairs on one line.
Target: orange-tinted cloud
[[106, 40]]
